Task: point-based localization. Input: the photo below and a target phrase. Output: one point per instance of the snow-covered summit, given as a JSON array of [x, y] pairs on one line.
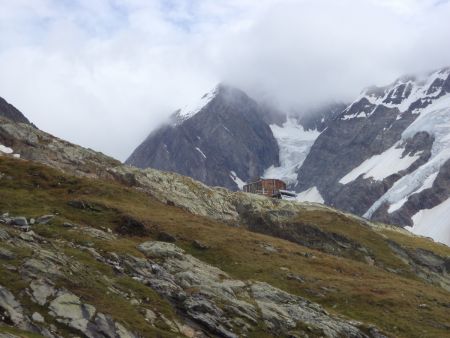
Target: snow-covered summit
[[195, 107], [411, 93]]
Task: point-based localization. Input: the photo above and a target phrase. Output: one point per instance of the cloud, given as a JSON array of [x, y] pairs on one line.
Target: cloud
[[103, 73]]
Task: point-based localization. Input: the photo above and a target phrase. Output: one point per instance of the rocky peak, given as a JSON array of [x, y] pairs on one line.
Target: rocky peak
[[9, 111], [410, 92], [222, 140]]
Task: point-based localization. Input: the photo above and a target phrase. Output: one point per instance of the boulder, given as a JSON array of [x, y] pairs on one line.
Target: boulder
[[4, 235], [69, 309], [10, 309], [20, 221], [6, 254], [166, 237], [199, 245], [41, 290], [160, 249], [37, 317], [45, 219]]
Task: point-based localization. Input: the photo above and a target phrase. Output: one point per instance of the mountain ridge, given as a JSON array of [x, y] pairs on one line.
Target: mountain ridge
[[398, 125], [221, 142]]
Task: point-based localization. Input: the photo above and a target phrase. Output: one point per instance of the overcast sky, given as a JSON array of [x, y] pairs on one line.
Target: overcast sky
[[104, 73]]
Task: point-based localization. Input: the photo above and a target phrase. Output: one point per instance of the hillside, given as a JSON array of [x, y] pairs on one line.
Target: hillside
[[130, 252]]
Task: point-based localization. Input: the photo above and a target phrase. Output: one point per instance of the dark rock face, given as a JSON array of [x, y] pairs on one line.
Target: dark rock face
[[9, 111], [319, 118], [344, 145], [229, 134]]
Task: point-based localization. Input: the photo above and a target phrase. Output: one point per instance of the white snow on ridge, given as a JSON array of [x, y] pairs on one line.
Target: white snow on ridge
[[381, 166], [357, 115], [419, 89], [190, 110], [201, 152], [294, 143], [435, 119], [240, 183], [434, 223], [310, 195]]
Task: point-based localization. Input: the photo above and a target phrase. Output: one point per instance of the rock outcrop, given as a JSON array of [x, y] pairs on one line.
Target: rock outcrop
[[10, 112]]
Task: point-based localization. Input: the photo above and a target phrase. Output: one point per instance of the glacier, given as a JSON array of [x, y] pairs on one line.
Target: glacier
[[294, 143]]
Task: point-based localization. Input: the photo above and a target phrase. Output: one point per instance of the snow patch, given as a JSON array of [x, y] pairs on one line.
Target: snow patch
[[310, 195], [294, 143], [381, 166], [201, 152], [5, 150], [434, 223], [240, 183], [192, 109]]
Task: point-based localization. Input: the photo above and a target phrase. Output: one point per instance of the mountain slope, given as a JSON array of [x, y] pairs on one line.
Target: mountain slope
[[381, 156], [222, 141], [99, 268]]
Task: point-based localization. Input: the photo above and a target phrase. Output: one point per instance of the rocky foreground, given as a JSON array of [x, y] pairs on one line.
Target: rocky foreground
[[92, 248]]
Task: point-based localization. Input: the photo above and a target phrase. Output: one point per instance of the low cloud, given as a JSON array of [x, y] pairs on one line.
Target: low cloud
[[104, 73]]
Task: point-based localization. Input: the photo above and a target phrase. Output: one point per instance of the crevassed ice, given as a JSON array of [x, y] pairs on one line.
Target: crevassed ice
[[435, 119], [428, 183], [381, 166], [294, 143]]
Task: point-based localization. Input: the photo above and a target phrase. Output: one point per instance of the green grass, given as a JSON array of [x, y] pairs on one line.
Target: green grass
[[344, 285]]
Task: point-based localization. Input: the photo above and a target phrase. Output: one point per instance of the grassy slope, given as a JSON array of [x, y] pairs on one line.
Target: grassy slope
[[342, 285]]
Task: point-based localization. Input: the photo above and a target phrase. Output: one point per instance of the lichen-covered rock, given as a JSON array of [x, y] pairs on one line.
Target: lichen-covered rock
[[69, 309], [6, 254], [227, 306], [10, 308], [160, 249], [41, 290], [45, 219]]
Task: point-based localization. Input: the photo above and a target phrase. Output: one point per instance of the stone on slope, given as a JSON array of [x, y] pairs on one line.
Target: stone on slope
[[6, 254], [41, 290], [44, 219], [20, 221], [10, 309], [69, 309]]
